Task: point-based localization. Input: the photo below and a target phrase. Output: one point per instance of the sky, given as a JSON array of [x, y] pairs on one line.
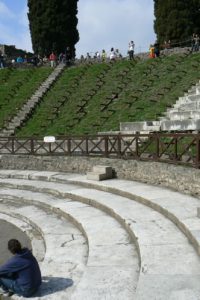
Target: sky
[[102, 24]]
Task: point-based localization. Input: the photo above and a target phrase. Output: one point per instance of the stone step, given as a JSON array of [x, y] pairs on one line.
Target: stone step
[[193, 114], [65, 249], [189, 105], [166, 282], [140, 126], [66, 178], [180, 125], [122, 268]]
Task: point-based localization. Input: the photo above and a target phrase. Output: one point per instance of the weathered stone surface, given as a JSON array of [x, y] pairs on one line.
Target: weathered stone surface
[[169, 264], [183, 179]]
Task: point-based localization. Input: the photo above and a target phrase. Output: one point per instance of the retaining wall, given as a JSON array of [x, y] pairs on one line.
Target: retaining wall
[[183, 179]]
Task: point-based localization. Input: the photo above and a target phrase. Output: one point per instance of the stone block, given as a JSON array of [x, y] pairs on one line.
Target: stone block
[[103, 170], [100, 172], [96, 176], [140, 126]]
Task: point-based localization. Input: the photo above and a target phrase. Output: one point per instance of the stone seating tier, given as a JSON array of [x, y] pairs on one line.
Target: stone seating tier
[[169, 267]]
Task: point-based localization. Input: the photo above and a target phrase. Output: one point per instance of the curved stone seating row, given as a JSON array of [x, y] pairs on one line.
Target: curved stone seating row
[[169, 264], [105, 274], [65, 246], [181, 209], [31, 231]]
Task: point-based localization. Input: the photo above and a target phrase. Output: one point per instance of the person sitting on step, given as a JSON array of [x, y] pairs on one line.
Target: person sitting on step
[[21, 273]]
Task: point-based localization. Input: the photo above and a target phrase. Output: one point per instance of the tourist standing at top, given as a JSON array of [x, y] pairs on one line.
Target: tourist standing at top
[[112, 54], [196, 42], [152, 51], [103, 55], [68, 56], [1, 61], [131, 48], [193, 42], [52, 59]]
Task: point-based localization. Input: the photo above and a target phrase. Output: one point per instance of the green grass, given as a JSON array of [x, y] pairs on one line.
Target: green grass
[[79, 102], [16, 87]]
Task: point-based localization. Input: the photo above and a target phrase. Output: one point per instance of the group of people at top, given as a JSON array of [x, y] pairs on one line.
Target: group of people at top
[[63, 57], [113, 54], [154, 50]]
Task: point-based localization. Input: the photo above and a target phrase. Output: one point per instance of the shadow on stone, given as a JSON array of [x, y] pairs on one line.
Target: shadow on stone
[[51, 285]]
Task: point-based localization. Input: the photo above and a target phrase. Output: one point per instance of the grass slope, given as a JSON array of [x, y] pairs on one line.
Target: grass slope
[[96, 97], [16, 87]]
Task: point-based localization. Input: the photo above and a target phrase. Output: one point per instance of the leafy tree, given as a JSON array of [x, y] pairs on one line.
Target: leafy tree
[[53, 25], [176, 20]]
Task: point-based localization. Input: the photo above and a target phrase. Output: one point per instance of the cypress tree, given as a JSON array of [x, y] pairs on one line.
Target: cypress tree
[[176, 20], [53, 25]]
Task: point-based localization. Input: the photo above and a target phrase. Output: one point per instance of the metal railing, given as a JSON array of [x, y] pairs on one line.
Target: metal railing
[[177, 148]]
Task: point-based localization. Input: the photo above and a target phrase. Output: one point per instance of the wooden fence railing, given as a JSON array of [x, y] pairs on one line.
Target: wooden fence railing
[[179, 148]]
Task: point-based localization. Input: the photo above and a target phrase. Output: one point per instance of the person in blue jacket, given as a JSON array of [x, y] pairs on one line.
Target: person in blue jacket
[[20, 274]]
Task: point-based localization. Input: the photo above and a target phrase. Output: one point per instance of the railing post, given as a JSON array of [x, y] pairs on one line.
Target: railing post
[[176, 149], [119, 148], [137, 145], [157, 146], [106, 145], [32, 146], [197, 163], [69, 146], [86, 146], [12, 145]]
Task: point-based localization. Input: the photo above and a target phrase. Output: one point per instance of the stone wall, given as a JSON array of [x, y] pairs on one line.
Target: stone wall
[[183, 179]]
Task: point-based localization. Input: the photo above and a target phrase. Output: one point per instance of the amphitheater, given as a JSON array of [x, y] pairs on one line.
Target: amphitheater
[[133, 236]]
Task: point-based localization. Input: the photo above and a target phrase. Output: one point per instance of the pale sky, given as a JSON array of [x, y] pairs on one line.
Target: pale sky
[[102, 24]]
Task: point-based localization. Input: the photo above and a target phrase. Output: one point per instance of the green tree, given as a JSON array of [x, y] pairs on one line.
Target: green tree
[[53, 25], [176, 20]]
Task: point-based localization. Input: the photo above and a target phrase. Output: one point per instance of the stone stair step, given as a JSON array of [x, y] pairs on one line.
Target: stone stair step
[[140, 126], [180, 125], [184, 115], [64, 244], [183, 214], [101, 262]]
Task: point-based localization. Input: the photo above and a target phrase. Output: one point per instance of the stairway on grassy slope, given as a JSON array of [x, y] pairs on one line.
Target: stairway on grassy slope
[[185, 113], [169, 264], [29, 106], [183, 116]]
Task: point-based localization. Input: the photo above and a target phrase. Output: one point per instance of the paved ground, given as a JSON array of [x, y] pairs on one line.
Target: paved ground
[[7, 232]]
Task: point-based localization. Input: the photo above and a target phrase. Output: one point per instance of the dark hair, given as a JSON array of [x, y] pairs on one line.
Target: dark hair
[[14, 246]]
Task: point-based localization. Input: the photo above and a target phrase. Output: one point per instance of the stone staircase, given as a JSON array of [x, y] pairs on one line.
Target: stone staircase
[[183, 116], [31, 103], [115, 239]]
